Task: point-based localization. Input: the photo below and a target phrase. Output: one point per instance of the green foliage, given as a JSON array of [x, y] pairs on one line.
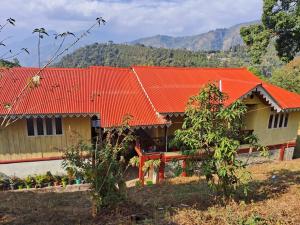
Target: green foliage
[[134, 161], [151, 163], [215, 130], [257, 38], [288, 77], [280, 22], [126, 55], [103, 165], [253, 220], [8, 64]]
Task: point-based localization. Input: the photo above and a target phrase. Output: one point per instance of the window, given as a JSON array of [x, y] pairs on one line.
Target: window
[[278, 120], [270, 121], [40, 126], [275, 121], [30, 127], [286, 120], [49, 126], [44, 126], [58, 125]]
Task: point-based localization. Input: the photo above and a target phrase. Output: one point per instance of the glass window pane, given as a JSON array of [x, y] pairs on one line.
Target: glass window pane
[[58, 125], [281, 120], [30, 127], [40, 126], [276, 121], [270, 121], [49, 127], [286, 120]]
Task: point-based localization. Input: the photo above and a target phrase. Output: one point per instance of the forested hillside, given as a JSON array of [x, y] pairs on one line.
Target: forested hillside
[[120, 55], [216, 40]]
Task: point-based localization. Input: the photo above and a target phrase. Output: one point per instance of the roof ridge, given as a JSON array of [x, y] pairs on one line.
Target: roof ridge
[[145, 92], [190, 68]]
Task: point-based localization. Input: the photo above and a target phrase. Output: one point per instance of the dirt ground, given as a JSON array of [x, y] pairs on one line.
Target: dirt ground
[[274, 199]]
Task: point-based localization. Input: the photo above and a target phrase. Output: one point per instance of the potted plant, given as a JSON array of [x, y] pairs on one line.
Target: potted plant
[[13, 182], [79, 176], [70, 174], [64, 181], [49, 179], [39, 180], [29, 181], [57, 180]]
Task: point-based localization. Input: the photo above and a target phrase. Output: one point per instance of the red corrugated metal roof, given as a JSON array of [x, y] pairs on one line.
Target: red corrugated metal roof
[[170, 87], [110, 92], [114, 92]]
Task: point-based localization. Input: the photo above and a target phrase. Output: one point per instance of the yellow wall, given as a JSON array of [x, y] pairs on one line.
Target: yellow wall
[[16, 144], [257, 119]]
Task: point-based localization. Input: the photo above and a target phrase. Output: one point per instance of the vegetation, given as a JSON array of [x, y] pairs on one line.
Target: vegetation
[[214, 128], [103, 165], [9, 64], [181, 200], [121, 55], [288, 77], [281, 24]]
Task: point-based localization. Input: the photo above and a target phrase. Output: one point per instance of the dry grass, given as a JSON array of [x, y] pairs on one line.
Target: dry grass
[[274, 199]]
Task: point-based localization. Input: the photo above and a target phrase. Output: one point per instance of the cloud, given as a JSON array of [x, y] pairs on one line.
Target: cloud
[[130, 19]]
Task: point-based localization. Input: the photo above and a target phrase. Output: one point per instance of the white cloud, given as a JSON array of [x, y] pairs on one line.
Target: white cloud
[[130, 19]]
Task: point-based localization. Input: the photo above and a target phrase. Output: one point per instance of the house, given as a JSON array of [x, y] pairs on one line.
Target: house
[[72, 101]]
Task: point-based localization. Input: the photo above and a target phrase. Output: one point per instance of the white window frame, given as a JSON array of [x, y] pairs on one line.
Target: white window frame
[[285, 117], [44, 128]]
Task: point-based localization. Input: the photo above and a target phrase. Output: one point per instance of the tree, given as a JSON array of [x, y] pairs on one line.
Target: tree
[[288, 77], [41, 33], [103, 165], [280, 24], [215, 129]]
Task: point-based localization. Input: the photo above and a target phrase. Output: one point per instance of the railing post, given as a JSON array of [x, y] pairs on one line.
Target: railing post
[[161, 171], [141, 172], [281, 153]]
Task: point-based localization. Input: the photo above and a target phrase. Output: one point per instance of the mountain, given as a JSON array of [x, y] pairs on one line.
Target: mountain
[[121, 55], [219, 39], [49, 45]]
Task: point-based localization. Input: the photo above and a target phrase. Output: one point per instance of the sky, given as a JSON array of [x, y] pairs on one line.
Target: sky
[[128, 20]]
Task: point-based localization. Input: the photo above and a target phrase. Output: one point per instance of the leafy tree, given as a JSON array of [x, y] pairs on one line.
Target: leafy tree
[[280, 23], [214, 129], [288, 77], [41, 33], [103, 164]]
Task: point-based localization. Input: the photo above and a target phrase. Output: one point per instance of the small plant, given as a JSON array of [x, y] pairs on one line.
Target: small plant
[[57, 180], [134, 161], [29, 181], [13, 182], [64, 181], [138, 183], [149, 183], [39, 180], [71, 174], [49, 179]]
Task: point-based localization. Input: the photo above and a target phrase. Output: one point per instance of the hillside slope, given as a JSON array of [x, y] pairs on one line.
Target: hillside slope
[[219, 39], [120, 55]]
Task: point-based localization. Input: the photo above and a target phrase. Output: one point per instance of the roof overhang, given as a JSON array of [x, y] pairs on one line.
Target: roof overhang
[[267, 97], [63, 115]]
